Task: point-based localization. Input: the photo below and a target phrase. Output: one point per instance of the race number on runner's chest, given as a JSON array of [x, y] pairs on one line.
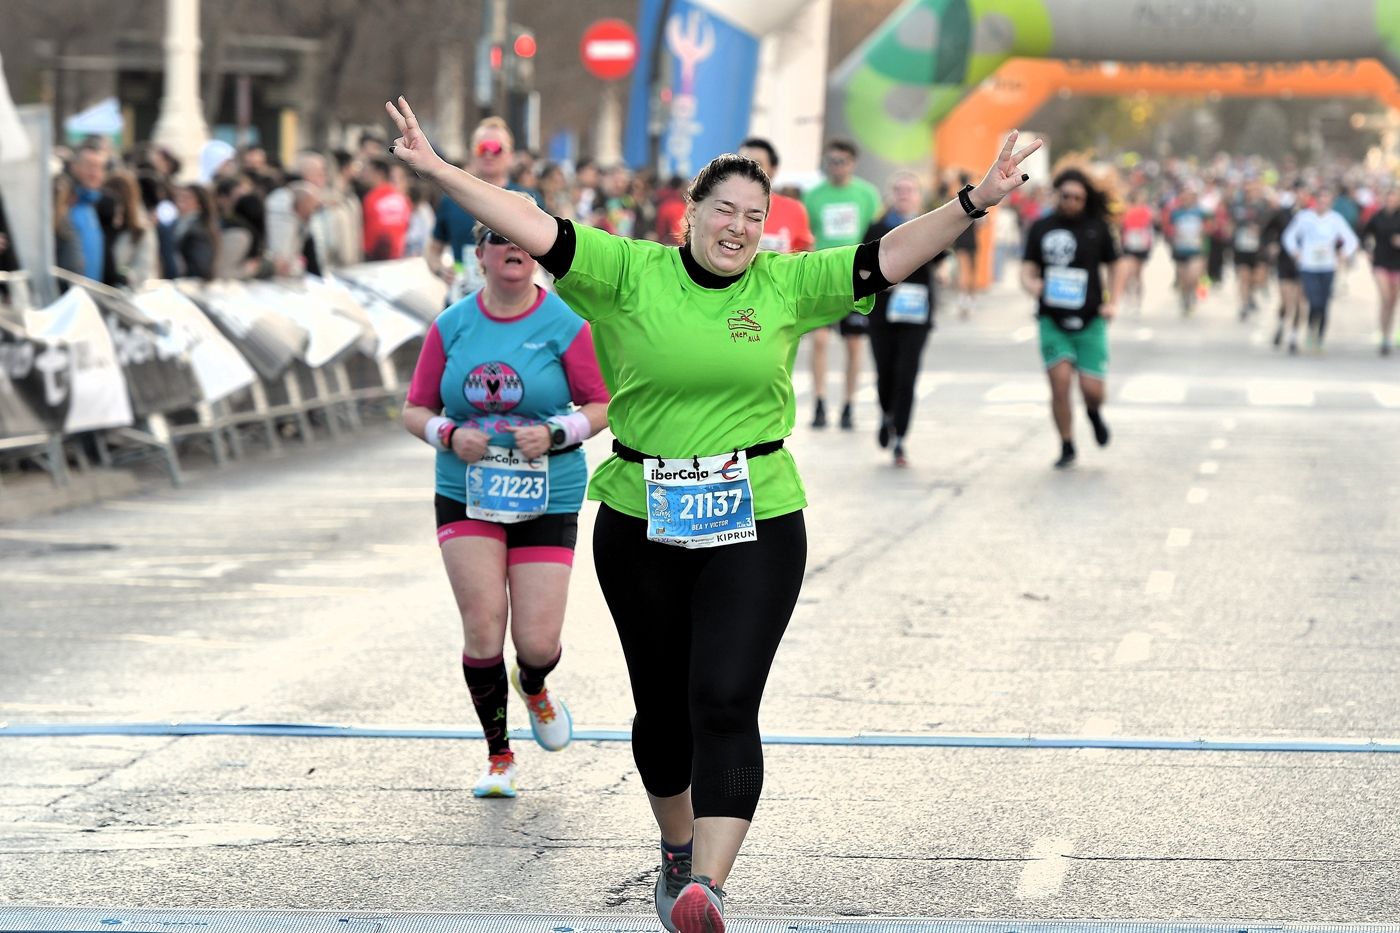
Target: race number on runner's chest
[[699, 502], [908, 304], [840, 221], [505, 487], [1066, 287]]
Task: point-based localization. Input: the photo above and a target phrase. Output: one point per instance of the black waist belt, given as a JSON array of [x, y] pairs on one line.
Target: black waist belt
[[636, 456], [565, 450]]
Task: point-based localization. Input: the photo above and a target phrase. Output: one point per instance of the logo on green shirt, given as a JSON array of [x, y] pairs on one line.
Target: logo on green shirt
[[742, 326]]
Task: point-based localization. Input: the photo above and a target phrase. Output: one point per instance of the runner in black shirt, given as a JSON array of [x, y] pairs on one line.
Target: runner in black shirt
[[1061, 269], [1382, 233], [1290, 291]]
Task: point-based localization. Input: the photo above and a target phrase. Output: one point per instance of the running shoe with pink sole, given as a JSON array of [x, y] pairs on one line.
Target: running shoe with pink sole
[[700, 907]]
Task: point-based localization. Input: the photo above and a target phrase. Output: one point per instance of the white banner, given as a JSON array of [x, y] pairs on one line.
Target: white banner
[[330, 334], [14, 141], [218, 366], [407, 282], [99, 396], [392, 327]]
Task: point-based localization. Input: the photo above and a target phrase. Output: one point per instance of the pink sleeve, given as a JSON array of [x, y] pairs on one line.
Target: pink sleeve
[[581, 368], [426, 387]]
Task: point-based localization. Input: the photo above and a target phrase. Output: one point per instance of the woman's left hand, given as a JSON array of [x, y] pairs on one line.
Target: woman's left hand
[[532, 440], [1005, 175]]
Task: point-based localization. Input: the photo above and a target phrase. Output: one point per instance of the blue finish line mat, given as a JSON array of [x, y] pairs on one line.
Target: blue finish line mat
[[100, 920]]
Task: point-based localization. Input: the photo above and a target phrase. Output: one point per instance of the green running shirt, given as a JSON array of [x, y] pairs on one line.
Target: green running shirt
[[840, 216], [695, 371]]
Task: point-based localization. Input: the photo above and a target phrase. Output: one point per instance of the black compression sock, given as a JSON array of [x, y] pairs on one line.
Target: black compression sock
[[486, 680], [532, 678]]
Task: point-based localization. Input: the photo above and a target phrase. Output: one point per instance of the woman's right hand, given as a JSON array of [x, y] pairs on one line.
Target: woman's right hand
[[470, 444], [412, 147]]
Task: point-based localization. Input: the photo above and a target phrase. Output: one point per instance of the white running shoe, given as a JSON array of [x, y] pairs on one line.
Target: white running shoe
[[550, 722], [498, 780]]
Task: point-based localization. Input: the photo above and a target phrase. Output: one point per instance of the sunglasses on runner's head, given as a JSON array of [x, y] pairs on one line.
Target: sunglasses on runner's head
[[490, 146], [494, 238]]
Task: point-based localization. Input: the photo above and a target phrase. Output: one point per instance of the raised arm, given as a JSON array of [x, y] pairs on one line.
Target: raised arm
[[519, 220], [915, 242]]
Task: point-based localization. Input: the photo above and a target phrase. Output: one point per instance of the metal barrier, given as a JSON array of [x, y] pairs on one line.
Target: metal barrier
[[301, 404]]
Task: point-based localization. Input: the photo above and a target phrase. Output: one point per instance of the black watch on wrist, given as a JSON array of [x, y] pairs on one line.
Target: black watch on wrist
[[556, 436], [965, 199]]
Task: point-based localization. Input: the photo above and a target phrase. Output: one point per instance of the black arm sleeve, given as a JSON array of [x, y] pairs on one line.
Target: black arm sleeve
[[561, 255], [866, 277]]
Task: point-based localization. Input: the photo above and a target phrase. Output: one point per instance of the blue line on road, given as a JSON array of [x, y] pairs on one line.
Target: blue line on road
[[926, 740]]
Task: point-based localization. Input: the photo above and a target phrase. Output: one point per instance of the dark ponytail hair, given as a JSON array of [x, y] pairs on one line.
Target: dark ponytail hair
[[722, 167], [1095, 204]]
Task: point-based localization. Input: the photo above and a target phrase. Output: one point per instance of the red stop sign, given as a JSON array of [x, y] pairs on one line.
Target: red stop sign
[[609, 49]]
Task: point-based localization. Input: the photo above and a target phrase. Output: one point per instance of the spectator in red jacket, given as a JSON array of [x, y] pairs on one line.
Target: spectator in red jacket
[[387, 212]]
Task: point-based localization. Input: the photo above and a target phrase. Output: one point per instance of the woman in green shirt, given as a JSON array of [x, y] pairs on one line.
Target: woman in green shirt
[[699, 542]]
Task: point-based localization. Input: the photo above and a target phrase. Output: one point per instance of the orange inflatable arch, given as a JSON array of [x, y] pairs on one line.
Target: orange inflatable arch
[[1022, 85]]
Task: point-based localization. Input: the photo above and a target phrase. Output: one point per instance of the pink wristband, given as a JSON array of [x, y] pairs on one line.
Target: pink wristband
[[576, 427]]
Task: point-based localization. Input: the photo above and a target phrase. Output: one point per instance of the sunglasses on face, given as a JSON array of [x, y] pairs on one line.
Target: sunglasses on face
[[1070, 196], [495, 239], [490, 147]]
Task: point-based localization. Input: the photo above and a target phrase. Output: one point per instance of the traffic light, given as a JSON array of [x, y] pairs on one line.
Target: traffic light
[[522, 57]]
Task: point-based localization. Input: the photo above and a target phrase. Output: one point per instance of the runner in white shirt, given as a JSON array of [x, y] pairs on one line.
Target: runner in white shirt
[[1314, 239]]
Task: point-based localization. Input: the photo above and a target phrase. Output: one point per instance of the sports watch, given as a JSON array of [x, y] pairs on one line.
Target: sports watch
[[965, 199], [557, 437]]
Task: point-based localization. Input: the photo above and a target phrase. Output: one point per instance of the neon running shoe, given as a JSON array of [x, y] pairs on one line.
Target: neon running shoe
[[671, 879], [550, 722], [498, 780], [700, 907]]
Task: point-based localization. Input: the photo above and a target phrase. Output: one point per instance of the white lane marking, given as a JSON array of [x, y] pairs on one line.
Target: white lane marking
[[1209, 468], [1098, 727], [296, 589], [52, 537], [1045, 873], [1179, 537], [336, 570], [72, 580], [1143, 334], [1135, 648], [168, 559], [1219, 443], [206, 511], [1021, 410], [1153, 390], [1279, 392], [1228, 424], [1024, 334], [1387, 396], [1160, 583], [1018, 392], [1196, 495], [930, 383]]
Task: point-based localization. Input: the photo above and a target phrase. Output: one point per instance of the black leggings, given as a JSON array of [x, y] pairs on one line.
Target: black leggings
[[898, 350], [699, 629]]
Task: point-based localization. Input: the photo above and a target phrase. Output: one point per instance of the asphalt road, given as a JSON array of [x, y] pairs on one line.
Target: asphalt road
[[1225, 568]]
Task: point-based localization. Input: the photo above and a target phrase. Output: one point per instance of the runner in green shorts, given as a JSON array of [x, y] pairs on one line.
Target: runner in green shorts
[[1062, 269], [1086, 350]]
